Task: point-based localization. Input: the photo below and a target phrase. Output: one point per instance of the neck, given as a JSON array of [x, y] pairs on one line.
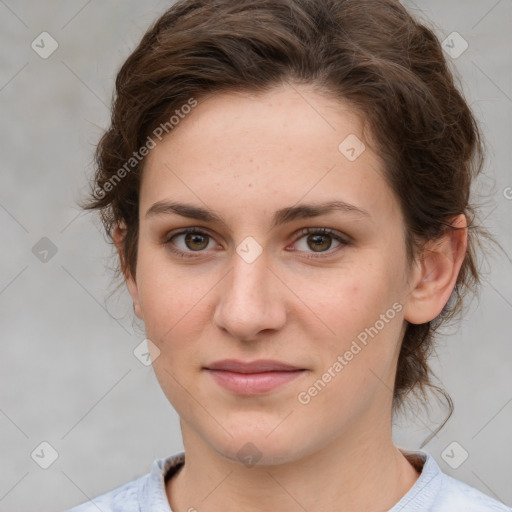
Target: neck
[[362, 471]]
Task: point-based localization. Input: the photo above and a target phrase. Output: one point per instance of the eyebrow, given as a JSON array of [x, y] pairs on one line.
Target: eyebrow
[[281, 216]]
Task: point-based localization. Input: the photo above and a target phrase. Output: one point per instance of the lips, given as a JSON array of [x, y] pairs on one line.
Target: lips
[[260, 366], [252, 378]]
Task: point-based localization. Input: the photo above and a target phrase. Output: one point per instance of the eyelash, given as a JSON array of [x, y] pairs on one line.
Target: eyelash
[[306, 231]]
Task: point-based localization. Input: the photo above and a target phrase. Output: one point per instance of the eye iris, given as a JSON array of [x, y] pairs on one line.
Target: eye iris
[[318, 242], [195, 238]]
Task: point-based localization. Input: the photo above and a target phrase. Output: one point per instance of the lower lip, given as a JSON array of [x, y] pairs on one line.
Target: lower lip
[[253, 383]]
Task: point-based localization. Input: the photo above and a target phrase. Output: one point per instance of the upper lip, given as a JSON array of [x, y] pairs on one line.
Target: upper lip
[[261, 365]]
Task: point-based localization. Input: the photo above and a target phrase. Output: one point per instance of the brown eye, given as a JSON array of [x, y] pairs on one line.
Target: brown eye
[[314, 242], [319, 243], [190, 242], [196, 241]]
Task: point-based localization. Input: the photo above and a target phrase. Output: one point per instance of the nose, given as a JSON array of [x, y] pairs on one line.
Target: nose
[[252, 299]]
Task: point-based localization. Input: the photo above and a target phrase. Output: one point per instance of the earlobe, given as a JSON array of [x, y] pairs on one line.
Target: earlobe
[[436, 273], [118, 234]]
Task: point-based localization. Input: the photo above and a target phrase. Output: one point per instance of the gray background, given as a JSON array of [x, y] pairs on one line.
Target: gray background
[[69, 375]]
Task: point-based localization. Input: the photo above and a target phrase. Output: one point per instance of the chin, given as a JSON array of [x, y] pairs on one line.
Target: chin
[[249, 447], [257, 453]]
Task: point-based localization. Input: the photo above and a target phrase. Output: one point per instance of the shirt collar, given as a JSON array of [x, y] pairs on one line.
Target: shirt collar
[[153, 497]]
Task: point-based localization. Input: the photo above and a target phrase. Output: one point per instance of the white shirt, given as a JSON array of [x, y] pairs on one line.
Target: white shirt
[[434, 491]]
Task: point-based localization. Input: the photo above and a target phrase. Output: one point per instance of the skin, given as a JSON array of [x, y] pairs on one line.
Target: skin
[[244, 157]]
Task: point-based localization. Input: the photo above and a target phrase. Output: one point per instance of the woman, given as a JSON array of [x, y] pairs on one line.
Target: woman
[[287, 186]]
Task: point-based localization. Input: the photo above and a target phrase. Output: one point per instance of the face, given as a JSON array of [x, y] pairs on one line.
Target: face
[[266, 271]]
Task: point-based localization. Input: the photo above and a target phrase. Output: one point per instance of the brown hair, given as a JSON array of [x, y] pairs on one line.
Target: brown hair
[[372, 53]]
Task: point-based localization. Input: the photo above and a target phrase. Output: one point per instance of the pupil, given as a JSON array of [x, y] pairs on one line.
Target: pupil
[[318, 242]]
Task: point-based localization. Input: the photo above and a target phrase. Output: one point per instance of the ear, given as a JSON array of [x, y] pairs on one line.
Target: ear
[[435, 274], [118, 235]]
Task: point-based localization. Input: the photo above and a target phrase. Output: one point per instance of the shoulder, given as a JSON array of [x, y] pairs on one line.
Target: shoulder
[[123, 498], [436, 491], [146, 492], [456, 495]]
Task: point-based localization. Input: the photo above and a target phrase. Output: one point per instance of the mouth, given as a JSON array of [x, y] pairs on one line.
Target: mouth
[[252, 378]]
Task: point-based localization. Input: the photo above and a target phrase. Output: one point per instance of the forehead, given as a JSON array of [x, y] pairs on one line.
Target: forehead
[[236, 149], [286, 118]]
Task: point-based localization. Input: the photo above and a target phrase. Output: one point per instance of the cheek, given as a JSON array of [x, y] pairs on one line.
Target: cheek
[[351, 298], [169, 296], [173, 319], [356, 366], [174, 310], [361, 308]]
